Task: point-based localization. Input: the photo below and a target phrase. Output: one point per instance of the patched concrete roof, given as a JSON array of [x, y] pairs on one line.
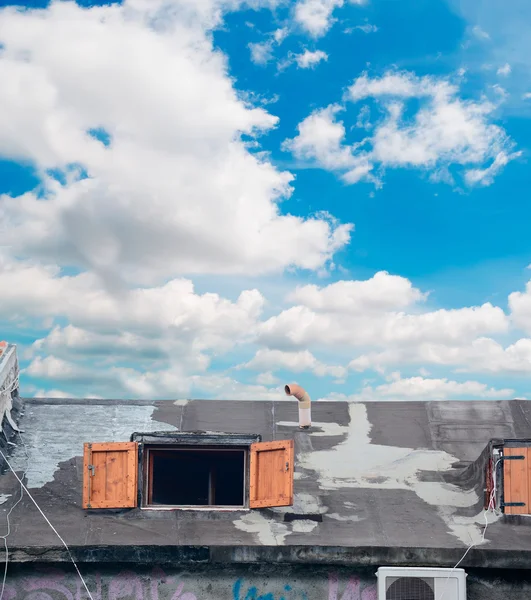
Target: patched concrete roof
[[393, 482]]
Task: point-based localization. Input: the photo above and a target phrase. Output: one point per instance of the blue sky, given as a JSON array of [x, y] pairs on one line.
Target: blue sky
[[211, 198]]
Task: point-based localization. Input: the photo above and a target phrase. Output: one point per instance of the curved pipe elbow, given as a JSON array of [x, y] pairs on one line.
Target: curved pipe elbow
[[305, 419]]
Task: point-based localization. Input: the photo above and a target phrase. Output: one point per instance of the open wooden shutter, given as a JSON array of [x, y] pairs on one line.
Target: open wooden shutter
[[517, 481], [271, 474], [110, 473]]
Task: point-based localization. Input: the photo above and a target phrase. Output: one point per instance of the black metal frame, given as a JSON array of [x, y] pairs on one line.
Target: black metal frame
[[179, 439]]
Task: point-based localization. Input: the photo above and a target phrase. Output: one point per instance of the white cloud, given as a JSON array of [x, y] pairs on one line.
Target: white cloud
[[379, 293], [176, 191], [301, 327], [159, 383], [445, 131], [173, 313], [479, 33], [504, 70], [320, 138], [520, 307], [159, 342], [54, 368], [175, 181], [55, 393], [261, 52], [527, 96], [399, 85], [371, 313], [486, 176], [275, 360], [224, 387], [309, 60], [481, 355], [367, 28], [316, 16], [421, 388], [266, 378]]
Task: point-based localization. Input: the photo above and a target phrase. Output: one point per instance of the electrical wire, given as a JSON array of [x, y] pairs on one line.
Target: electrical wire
[[490, 507], [49, 523], [4, 537], [10, 387]]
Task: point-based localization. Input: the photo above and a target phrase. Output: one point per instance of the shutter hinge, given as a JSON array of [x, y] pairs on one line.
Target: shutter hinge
[[519, 457], [513, 503]]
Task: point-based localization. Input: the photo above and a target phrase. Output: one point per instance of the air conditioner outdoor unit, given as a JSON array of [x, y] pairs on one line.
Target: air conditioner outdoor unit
[[405, 583]]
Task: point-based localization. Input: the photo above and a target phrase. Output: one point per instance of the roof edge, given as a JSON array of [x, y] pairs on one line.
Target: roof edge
[[363, 556], [150, 402]]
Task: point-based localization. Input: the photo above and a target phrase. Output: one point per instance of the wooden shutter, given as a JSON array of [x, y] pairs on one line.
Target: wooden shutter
[[517, 481], [110, 474], [271, 474]]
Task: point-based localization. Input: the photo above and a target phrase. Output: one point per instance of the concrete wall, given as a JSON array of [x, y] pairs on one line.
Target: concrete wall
[[230, 583]]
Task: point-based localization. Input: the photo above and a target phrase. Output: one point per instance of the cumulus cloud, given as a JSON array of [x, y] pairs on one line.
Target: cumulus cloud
[[504, 70], [367, 28], [309, 59], [274, 360], [372, 313], [422, 388], [481, 355], [300, 326], [479, 33], [174, 189], [161, 341], [321, 139], [445, 131], [316, 16], [520, 307], [379, 293], [30, 289], [262, 52]]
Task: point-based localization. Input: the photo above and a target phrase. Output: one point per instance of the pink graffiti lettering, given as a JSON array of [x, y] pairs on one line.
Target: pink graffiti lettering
[[9, 592], [352, 590], [51, 582], [126, 584]]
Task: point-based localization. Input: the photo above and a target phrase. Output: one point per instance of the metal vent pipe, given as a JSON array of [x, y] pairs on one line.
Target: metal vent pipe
[[305, 410]]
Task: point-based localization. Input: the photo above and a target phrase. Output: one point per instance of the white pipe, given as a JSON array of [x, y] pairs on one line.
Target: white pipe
[[305, 410]]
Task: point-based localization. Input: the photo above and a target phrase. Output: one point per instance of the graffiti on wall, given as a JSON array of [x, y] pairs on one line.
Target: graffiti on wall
[[55, 584]]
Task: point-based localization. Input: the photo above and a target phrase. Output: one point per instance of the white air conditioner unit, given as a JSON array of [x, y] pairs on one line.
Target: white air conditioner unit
[[405, 583]]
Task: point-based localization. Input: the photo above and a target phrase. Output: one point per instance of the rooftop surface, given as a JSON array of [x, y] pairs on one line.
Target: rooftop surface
[[394, 482]]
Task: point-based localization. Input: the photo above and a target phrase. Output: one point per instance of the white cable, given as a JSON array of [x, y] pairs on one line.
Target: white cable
[[11, 387], [490, 507], [49, 523], [4, 537]]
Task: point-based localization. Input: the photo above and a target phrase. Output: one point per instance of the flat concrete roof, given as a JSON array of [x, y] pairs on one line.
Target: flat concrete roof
[[375, 483]]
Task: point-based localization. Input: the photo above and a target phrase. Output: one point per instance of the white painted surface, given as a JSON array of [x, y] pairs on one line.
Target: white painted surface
[[267, 531], [357, 463], [52, 438]]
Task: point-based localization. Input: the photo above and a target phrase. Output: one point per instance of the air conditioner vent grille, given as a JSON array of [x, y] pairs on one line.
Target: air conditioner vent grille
[[409, 588]]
